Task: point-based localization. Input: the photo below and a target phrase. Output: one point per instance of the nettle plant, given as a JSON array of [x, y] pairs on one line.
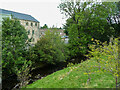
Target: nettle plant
[[106, 56]]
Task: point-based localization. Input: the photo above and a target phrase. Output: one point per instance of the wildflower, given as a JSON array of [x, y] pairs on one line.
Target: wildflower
[[85, 73], [92, 39]]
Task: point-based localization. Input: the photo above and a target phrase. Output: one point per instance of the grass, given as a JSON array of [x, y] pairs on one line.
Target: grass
[[75, 77]]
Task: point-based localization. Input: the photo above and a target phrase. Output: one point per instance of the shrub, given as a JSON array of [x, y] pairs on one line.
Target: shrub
[[14, 38], [23, 74], [77, 42], [106, 56], [49, 49], [14, 43]]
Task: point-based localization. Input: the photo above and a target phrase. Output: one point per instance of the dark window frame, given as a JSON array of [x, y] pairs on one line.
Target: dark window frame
[[27, 23], [28, 32], [33, 32], [36, 24], [31, 24]]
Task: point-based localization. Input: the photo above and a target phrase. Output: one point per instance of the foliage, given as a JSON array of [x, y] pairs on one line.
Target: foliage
[[44, 27], [70, 64], [97, 72], [110, 52], [74, 77], [49, 49], [118, 5], [14, 50], [114, 20], [106, 56], [14, 38], [66, 32], [78, 42], [86, 20], [23, 74], [0, 54], [69, 21]]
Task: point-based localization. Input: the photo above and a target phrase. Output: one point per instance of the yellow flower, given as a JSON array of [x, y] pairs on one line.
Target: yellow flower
[[92, 39], [85, 73]]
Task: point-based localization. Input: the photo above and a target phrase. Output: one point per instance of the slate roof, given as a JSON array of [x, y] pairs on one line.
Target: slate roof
[[18, 15]]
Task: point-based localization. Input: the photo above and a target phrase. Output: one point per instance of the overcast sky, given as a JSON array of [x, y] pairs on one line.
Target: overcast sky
[[45, 11]]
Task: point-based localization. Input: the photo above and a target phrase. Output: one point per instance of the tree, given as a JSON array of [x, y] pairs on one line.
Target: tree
[[14, 51], [60, 28], [114, 20], [49, 49], [44, 27], [87, 20], [14, 37], [106, 56], [69, 21], [118, 5]]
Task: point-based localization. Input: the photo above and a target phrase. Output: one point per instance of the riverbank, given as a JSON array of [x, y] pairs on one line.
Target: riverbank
[[76, 77]]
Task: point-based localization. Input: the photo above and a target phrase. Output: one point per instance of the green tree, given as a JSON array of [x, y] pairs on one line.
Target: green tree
[[49, 49], [87, 20], [14, 39], [106, 56], [114, 20], [44, 27], [69, 22], [118, 5]]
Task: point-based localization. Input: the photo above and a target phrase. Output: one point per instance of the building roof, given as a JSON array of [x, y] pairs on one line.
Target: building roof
[[18, 15]]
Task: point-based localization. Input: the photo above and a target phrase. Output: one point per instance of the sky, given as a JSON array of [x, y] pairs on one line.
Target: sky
[[45, 11]]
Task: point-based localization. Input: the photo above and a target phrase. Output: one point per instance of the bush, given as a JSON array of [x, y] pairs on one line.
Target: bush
[[106, 56], [14, 43], [49, 49], [14, 38], [77, 42], [23, 74]]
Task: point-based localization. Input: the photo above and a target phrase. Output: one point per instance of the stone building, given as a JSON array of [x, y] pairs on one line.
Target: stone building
[[30, 23], [60, 31]]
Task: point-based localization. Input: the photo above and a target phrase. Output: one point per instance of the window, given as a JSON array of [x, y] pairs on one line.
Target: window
[[32, 32], [31, 24], [28, 32], [35, 24], [27, 23]]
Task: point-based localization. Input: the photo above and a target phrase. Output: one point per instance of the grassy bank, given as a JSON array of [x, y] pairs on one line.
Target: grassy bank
[[76, 77]]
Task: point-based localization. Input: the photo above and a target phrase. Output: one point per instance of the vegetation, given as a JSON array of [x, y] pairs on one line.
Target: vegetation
[[14, 43], [90, 28], [0, 53], [49, 49], [114, 21], [106, 56], [74, 77], [44, 27], [86, 20], [97, 72]]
